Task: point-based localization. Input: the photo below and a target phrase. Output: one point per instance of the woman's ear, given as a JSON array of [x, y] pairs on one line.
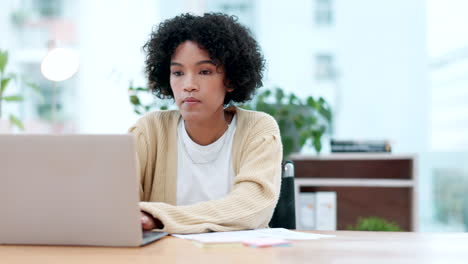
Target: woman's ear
[[227, 85], [228, 88]]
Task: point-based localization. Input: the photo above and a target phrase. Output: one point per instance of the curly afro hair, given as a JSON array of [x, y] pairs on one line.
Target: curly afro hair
[[227, 42]]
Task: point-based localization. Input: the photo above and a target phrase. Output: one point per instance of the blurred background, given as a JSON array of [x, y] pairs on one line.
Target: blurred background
[[390, 69]]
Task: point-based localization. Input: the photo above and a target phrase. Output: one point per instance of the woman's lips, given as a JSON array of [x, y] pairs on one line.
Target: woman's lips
[[191, 101]]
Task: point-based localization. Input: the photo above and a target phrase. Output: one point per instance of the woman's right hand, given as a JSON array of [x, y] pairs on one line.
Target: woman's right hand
[[147, 221]]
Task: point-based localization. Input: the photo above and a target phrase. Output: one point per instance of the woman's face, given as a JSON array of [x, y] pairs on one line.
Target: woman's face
[[197, 83]]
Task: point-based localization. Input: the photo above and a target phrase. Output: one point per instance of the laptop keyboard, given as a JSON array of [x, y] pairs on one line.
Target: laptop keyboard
[[147, 234], [150, 236]]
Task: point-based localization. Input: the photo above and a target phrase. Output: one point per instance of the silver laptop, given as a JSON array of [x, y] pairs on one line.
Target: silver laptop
[[70, 190]]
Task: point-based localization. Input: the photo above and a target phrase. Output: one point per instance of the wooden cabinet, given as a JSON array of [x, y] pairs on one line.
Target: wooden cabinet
[[367, 184]]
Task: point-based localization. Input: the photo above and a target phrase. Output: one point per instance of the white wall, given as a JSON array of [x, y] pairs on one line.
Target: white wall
[[447, 22], [380, 49], [112, 33], [285, 35], [384, 65], [448, 43], [381, 59], [6, 34]]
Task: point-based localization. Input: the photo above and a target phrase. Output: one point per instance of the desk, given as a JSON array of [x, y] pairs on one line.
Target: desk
[[346, 247]]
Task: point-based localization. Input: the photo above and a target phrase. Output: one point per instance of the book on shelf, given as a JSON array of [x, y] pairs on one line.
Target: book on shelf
[[325, 202], [317, 211], [307, 211], [360, 146]]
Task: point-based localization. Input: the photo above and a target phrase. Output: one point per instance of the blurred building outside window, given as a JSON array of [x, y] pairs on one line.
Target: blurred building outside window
[[324, 67], [38, 26], [324, 12]]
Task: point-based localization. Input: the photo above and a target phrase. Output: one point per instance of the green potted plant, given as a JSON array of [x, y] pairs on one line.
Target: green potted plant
[[300, 121], [5, 97], [374, 223], [5, 79], [141, 106]]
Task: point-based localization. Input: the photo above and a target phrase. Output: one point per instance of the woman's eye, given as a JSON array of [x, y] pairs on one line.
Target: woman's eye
[[177, 73], [205, 72]]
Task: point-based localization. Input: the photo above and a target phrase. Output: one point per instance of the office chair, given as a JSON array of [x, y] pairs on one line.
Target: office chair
[[285, 211]]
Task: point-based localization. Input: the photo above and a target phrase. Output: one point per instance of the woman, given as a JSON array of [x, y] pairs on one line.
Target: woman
[[206, 167]]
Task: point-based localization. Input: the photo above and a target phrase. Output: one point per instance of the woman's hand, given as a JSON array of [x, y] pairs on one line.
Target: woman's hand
[[149, 223]]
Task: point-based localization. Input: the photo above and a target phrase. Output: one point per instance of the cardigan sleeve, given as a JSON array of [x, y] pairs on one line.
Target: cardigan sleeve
[[141, 146], [250, 203]]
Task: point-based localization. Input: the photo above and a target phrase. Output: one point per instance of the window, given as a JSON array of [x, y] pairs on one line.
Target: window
[[323, 12], [449, 94], [48, 8], [243, 9], [324, 69]]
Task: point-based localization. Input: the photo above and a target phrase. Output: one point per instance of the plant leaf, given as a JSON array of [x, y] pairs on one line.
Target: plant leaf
[[325, 112], [37, 90], [3, 60], [374, 224], [303, 137], [246, 107], [311, 120], [287, 146], [298, 121], [34, 87], [292, 99], [310, 101], [4, 84], [135, 100], [317, 144], [16, 122], [13, 98], [279, 95]]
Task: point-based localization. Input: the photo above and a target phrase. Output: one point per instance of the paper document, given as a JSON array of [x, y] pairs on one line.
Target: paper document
[[239, 236]]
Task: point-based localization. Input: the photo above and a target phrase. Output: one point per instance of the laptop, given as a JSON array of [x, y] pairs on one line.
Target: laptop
[[70, 190]]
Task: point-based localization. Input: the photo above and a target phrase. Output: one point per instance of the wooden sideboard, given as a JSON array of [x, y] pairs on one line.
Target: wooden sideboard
[[366, 184]]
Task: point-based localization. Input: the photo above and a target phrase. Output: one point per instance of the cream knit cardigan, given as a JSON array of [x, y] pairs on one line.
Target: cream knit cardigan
[[256, 157]]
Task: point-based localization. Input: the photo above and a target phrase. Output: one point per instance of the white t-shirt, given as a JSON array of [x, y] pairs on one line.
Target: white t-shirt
[[204, 172]]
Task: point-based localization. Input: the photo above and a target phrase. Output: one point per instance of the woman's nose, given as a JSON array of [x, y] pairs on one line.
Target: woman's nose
[[190, 84]]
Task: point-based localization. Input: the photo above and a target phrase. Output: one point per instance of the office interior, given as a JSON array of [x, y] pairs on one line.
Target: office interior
[[392, 70]]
